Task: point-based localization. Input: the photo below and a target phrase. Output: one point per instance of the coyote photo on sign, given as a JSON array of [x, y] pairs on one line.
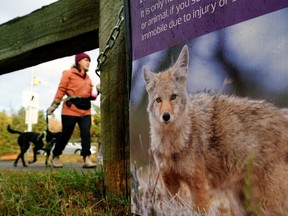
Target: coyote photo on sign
[[217, 146]]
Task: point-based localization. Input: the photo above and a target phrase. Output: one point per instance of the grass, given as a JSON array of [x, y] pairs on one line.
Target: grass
[[58, 192]]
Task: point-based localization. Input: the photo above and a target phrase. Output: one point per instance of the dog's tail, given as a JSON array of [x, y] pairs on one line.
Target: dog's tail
[[13, 131]]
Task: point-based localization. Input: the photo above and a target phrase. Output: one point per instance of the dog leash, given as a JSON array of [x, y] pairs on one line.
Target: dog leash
[[47, 122], [47, 145]]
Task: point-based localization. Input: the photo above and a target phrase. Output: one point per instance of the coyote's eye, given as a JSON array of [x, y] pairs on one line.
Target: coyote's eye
[[158, 100], [173, 97]]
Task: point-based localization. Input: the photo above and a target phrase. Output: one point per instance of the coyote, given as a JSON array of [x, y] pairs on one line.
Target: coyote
[[217, 144]]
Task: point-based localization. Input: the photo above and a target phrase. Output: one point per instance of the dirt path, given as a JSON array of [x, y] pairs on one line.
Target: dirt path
[[69, 162]]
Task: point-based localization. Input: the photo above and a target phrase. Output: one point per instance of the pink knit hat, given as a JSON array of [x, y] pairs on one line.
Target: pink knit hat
[[81, 56]]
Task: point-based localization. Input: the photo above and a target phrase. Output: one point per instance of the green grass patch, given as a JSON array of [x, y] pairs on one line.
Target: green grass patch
[[60, 192]]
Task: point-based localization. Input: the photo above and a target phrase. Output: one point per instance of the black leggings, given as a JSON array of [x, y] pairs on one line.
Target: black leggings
[[68, 125]]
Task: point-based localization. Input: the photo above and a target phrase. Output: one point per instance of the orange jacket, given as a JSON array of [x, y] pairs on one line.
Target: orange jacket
[[74, 83]]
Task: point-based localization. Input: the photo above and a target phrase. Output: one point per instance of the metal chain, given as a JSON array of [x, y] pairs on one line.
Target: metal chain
[[110, 42]]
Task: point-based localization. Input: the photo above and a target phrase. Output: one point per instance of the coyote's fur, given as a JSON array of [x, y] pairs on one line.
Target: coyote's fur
[[217, 144]]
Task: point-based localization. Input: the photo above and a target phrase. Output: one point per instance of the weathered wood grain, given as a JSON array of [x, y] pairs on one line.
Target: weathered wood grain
[[57, 30]]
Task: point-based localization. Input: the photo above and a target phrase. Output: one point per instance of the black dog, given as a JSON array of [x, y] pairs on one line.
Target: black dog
[[44, 141]]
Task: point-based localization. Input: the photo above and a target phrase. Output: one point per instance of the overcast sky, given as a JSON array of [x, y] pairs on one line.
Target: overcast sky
[[49, 73]]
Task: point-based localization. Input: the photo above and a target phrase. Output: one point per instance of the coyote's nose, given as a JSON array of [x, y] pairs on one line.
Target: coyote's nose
[[166, 117]]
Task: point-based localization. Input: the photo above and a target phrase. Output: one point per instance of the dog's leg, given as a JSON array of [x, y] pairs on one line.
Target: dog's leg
[[21, 155], [47, 157], [34, 155], [16, 161], [24, 147]]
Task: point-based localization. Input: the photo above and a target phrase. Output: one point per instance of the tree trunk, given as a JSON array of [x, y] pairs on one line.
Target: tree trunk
[[114, 103]]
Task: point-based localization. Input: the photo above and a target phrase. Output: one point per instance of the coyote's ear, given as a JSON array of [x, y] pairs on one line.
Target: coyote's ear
[[149, 78], [181, 65]]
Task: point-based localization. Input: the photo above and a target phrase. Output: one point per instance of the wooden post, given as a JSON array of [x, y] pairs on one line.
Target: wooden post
[[114, 103]]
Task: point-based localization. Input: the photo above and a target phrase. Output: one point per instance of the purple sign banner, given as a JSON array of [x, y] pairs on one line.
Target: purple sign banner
[[159, 24]]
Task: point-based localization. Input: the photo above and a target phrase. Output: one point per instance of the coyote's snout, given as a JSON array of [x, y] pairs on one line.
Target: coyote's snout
[[166, 117], [215, 143]]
